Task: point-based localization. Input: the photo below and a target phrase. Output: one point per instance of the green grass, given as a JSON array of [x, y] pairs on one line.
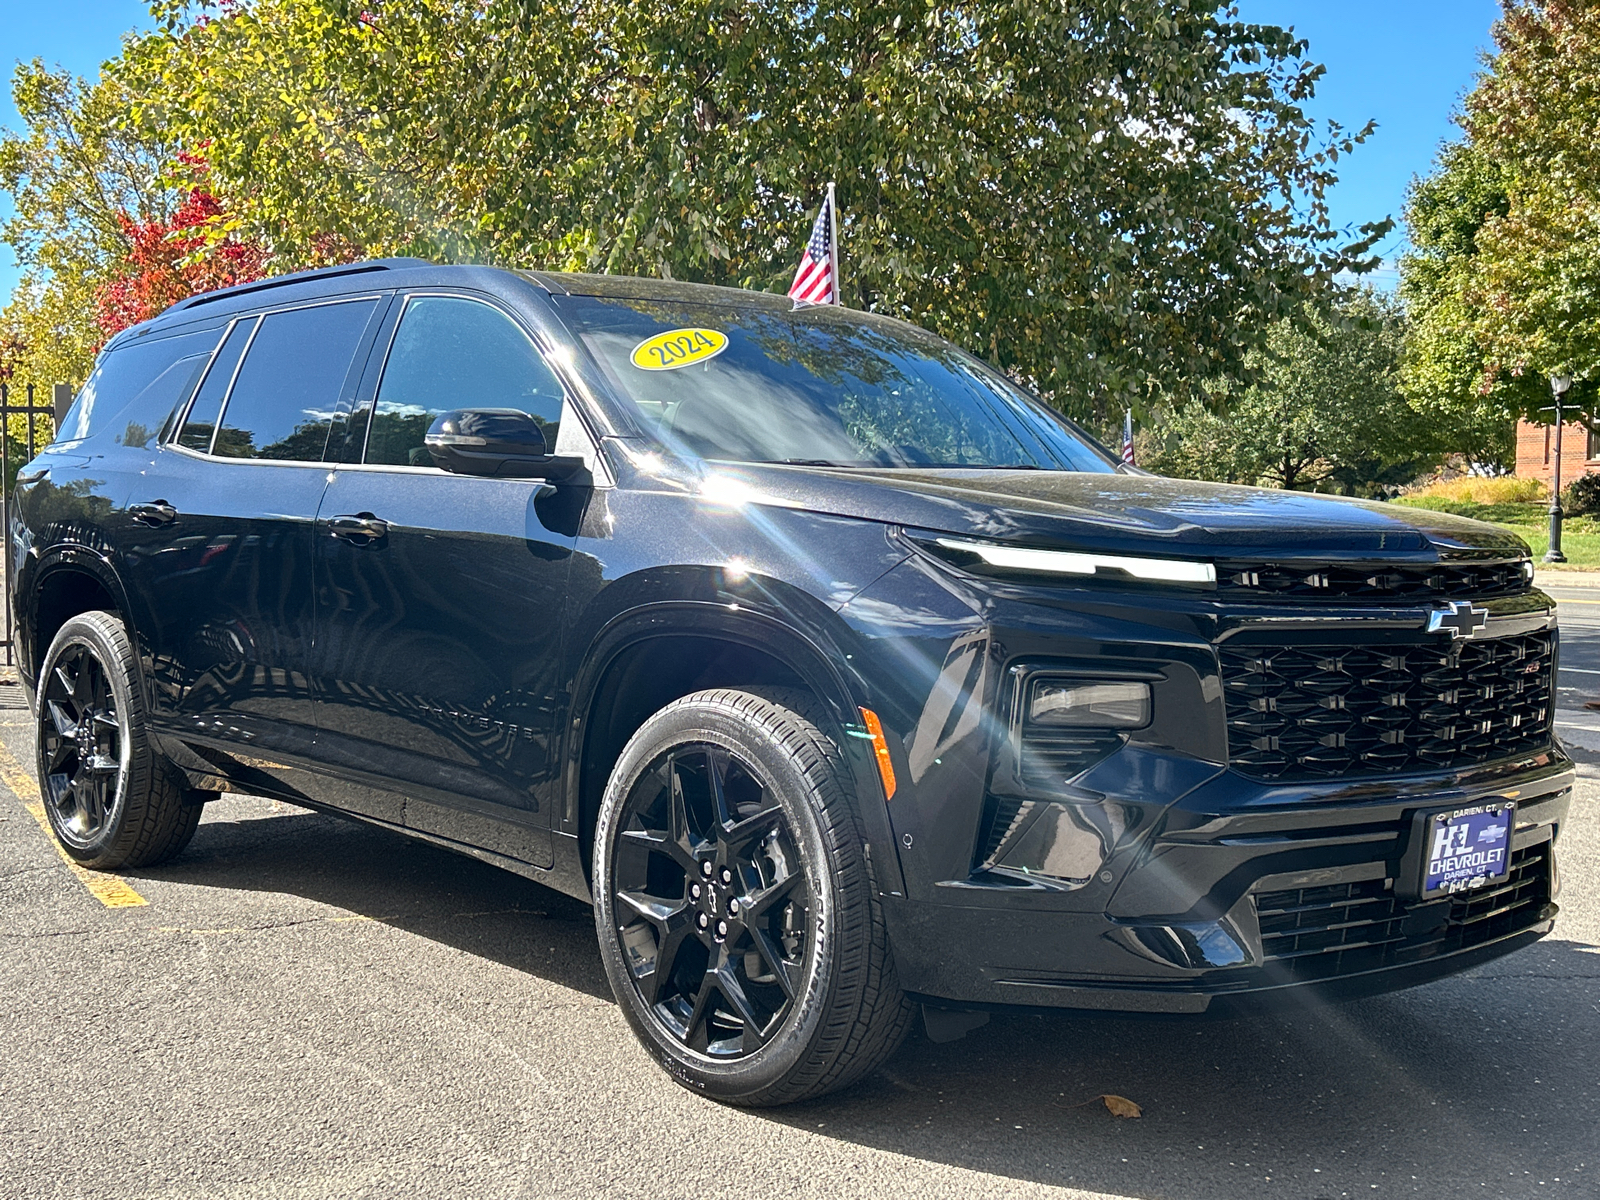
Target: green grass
[[1580, 536]]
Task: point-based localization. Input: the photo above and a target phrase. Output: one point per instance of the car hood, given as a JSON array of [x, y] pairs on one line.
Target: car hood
[[1125, 512]]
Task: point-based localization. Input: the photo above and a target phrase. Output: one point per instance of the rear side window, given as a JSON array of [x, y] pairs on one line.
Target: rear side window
[[291, 381], [134, 389], [450, 353], [201, 422]]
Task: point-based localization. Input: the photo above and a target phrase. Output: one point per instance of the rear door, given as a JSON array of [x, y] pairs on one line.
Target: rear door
[[220, 557], [439, 596]]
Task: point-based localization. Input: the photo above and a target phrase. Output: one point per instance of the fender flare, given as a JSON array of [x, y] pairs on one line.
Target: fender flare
[[813, 656], [37, 569]]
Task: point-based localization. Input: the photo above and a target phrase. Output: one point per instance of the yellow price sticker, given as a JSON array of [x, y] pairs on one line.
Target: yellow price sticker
[[678, 348]]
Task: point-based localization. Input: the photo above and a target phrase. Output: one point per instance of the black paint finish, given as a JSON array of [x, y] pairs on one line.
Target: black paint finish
[[436, 653], [463, 657]]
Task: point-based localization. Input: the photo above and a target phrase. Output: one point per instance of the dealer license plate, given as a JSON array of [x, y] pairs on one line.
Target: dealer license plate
[[1467, 848]]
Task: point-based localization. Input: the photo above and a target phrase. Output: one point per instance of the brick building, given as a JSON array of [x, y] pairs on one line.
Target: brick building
[[1536, 447]]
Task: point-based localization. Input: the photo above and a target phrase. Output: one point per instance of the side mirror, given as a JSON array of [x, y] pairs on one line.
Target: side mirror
[[495, 441]]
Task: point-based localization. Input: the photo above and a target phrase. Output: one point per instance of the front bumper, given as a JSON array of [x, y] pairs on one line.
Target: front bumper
[[1171, 866], [1234, 897]]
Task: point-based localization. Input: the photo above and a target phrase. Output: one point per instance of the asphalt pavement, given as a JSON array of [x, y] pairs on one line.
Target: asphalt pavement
[[1578, 610], [306, 1007]]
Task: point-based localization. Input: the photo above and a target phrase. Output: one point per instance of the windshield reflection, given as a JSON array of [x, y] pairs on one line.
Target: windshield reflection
[[821, 387]]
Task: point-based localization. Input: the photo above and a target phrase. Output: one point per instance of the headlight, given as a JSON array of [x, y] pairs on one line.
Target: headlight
[[1081, 704]]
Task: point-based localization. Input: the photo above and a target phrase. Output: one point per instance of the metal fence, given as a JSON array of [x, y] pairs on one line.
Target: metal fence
[[41, 419]]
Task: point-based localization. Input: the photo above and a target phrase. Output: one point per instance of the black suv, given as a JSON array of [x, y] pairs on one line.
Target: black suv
[[841, 675]]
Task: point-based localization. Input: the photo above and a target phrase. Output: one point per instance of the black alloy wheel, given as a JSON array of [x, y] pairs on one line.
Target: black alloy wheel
[[111, 798], [85, 744], [713, 903], [739, 922]]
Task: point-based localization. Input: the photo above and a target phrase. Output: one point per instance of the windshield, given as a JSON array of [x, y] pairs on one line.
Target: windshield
[[817, 386]]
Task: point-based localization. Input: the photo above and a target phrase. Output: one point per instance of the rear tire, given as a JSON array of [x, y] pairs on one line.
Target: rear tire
[[739, 922], [112, 799]]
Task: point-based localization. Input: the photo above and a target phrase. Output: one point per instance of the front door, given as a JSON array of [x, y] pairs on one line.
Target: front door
[[219, 553], [439, 596]]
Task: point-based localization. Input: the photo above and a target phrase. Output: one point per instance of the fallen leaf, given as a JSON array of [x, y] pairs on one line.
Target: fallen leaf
[[1121, 1106]]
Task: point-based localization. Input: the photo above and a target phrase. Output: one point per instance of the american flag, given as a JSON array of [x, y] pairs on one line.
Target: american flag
[[817, 280], [1127, 438]]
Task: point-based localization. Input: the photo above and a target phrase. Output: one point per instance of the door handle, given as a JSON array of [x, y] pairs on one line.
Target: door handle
[[359, 529], [158, 512]]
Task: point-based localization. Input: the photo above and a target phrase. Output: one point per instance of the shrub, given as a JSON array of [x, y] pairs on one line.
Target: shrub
[[1473, 489], [1582, 495], [1460, 508]]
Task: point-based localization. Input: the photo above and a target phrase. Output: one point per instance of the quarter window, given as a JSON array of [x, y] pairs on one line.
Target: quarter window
[[291, 382], [452, 353], [138, 387]]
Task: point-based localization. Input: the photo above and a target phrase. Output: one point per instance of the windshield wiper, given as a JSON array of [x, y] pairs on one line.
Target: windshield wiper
[[820, 462]]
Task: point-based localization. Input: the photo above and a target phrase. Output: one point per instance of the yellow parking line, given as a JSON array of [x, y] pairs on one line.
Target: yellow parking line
[[108, 889]]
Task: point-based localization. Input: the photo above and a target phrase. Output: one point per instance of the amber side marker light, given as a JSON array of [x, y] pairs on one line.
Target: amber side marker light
[[880, 748]]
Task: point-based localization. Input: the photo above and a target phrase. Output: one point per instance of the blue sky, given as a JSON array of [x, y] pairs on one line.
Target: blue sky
[[1403, 63], [77, 34]]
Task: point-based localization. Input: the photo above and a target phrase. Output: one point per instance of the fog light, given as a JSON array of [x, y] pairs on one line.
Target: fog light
[[1089, 705]]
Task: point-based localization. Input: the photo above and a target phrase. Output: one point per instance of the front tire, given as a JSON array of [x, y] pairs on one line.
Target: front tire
[[111, 798], [739, 923]]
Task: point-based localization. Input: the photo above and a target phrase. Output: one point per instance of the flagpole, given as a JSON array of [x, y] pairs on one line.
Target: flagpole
[[833, 243]]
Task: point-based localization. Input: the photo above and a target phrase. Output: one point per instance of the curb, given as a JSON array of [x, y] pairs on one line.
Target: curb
[[1568, 579]]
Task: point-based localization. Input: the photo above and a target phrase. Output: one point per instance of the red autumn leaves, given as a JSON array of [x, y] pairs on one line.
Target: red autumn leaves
[[168, 260]]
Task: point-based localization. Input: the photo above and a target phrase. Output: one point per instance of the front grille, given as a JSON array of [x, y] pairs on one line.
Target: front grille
[[1319, 711], [1334, 581], [1347, 928]]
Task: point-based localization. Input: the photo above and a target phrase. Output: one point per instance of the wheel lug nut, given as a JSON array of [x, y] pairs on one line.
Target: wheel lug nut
[[733, 907], [705, 869], [695, 891], [704, 920], [727, 875], [722, 929]]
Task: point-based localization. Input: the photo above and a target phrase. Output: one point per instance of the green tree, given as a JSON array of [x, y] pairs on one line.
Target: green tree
[[1327, 412], [106, 235], [76, 177], [1112, 198], [1503, 284], [1444, 373], [1536, 112]]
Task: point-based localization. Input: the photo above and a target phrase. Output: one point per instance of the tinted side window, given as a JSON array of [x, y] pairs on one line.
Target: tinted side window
[[455, 353], [291, 382], [135, 388], [201, 422]]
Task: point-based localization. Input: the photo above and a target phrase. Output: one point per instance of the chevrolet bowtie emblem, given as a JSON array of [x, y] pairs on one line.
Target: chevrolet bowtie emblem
[[1460, 620]]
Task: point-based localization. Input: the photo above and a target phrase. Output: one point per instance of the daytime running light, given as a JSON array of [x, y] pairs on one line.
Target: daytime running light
[[1067, 562]]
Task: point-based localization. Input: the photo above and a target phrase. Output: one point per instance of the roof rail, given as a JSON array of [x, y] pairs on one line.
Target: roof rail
[[377, 264]]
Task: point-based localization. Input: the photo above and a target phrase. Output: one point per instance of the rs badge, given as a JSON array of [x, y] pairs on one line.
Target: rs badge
[[1460, 620]]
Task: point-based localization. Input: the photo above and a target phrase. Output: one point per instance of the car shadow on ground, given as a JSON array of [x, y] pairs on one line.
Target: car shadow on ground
[[423, 889], [1483, 1083], [1480, 1083]]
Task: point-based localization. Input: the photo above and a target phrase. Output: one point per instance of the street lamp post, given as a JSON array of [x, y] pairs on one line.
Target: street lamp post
[[1558, 385]]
